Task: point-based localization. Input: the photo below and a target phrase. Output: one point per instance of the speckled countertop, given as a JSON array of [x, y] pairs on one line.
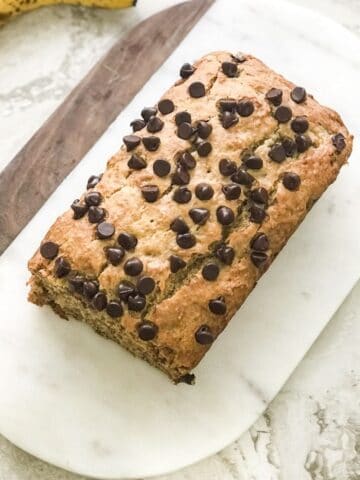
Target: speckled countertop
[[311, 431]]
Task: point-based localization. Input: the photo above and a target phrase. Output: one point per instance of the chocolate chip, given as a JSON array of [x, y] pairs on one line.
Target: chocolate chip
[[188, 378], [136, 303], [227, 167], [186, 70], [182, 117], [93, 199], [114, 309], [93, 181], [155, 124], [260, 242], [204, 148], [203, 129], [283, 114], [239, 57], [61, 267], [86, 288], [259, 195], [96, 214], [225, 253], [136, 162], [115, 255], [203, 335], [145, 285], [182, 195], [204, 191], [49, 250], [148, 112], [90, 289], [178, 225], [125, 289], [161, 168], [197, 90], [131, 142], [176, 263], [150, 193], [181, 176], [229, 69], [151, 143], [228, 119], [258, 258], [217, 306], [232, 191], [185, 131], [291, 181], [303, 142], [299, 124], [166, 106], [274, 96], [289, 146], [147, 330], [277, 153], [253, 162], [245, 108], [225, 215], [76, 283], [228, 105], [338, 141], [298, 94], [133, 266], [242, 177], [187, 160], [185, 240], [199, 215], [127, 241], [257, 214], [105, 230], [210, 271], [79, 209], [99, 302], [137, 124]]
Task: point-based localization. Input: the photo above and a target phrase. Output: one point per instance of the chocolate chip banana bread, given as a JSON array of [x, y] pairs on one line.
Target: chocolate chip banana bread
[[166, 244]]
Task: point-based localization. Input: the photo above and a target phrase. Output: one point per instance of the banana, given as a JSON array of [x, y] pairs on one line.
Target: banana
[[9, 8]]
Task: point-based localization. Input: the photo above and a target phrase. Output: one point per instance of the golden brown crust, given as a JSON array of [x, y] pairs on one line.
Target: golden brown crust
[[179, 305]]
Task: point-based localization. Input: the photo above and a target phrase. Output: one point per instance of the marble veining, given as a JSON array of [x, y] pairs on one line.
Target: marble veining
[[44, 54], [311, 431]]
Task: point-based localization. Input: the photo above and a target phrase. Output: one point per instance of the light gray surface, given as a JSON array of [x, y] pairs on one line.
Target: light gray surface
[[312, 429]]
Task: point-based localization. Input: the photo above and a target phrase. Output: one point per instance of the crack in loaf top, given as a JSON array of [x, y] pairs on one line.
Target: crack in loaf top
[[188, 196]]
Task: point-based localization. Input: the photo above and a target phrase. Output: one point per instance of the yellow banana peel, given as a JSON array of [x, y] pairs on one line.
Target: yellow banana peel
[[9, 8]]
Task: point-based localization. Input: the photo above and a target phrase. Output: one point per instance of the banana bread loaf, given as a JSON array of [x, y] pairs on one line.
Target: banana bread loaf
[[165, 245]]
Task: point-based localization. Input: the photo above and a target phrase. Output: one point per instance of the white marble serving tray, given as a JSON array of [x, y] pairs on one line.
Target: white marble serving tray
[[85, 404]]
